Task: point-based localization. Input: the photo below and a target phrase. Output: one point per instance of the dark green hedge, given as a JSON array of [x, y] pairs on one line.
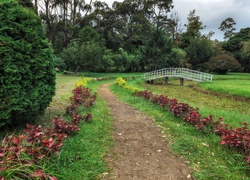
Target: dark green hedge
[[27, 76]]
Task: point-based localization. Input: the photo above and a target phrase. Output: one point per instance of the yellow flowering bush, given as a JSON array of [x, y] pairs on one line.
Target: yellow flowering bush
[[131, 88], [82, 82], [121, 82]]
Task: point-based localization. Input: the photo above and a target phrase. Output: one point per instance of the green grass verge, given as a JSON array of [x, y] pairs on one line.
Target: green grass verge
[[233, 112], [234, 87], [98, 75], [232, 83], [203, 152], [82, 155]]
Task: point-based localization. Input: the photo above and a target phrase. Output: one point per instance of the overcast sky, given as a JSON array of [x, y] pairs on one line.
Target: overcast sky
[[212, 13]]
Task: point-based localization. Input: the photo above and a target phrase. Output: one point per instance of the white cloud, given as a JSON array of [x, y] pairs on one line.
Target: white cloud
[[213, 12]]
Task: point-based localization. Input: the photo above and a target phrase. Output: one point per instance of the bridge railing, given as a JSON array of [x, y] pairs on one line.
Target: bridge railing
[[179, 72]]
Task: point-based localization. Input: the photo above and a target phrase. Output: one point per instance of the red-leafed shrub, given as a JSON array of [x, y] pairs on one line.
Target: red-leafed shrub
[[179, 109], [70, 110], [91, 100], [145, 94], [77, 119], [27, 150], [238, 138], [88, 117], [80, 95], [163, 101], [64, 127], [194, 118]]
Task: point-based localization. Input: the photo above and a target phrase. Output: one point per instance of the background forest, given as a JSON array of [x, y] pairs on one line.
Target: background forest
[[137, 35]]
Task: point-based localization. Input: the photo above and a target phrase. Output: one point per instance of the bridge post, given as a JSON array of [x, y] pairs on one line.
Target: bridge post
[[181, 81], [166, 80]]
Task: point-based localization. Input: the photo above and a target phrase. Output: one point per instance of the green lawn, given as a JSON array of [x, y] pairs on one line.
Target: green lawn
[[203, 152], [233, 83], [82, 156]]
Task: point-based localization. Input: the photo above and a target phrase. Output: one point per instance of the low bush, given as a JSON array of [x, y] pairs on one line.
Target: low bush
[[21, 156], [122, 82]]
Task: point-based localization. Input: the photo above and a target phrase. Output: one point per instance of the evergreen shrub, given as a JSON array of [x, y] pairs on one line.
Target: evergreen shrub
[[27, 75]]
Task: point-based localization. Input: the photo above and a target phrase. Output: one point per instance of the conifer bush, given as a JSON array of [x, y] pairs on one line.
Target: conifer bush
[[27, 76]]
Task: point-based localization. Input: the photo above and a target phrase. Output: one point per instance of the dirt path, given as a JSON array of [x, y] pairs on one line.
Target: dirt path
[[140, 151]]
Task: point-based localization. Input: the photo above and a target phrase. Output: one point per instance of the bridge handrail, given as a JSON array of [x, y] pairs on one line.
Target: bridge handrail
[[178, 72]]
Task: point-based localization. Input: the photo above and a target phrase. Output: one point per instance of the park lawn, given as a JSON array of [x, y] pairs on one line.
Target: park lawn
[[232, 111], [231, 83], [201, 151], [238, 87], [82, 155]]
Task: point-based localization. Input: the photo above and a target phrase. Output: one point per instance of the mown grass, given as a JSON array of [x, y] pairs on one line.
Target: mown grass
[[232, 83], [98, 75], [82, 155], [233, 112], [115, 74], [64, 86], [203, 152]]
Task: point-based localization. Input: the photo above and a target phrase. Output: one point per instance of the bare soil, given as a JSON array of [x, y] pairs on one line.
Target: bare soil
[[140, 150]]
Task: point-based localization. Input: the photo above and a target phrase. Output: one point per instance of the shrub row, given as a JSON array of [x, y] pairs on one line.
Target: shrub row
[[121, 82], [20, 155], [237, 138]]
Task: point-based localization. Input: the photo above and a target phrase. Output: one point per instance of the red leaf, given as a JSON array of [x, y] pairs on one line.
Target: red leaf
[[2, 155], [52, 178], [223, 142], [37, 173]]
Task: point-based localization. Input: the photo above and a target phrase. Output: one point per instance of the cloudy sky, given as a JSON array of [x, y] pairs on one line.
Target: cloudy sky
[[213, 12]]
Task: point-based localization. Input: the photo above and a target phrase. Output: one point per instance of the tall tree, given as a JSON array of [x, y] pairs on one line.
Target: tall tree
[[63, 16], [194, 26], [198, 52], [174, 26], [157, 51], [227, 26], [158, 12], [235, 45], [86, 52]]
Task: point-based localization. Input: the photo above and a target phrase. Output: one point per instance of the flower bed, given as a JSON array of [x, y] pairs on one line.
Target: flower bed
[[237, 138], [20, 156]]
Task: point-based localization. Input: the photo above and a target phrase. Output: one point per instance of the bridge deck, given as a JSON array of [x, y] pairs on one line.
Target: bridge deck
[[179, 72]]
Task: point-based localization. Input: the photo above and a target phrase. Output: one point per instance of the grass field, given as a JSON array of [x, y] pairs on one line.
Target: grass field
[[82, 156], [201, 151], [233, 83], [234, 112]]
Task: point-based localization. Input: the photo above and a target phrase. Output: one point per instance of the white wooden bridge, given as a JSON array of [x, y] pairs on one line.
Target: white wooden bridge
[[182, 73]]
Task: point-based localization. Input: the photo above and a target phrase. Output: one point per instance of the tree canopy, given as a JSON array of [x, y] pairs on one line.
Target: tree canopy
[[227, 26], [126, 31]]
